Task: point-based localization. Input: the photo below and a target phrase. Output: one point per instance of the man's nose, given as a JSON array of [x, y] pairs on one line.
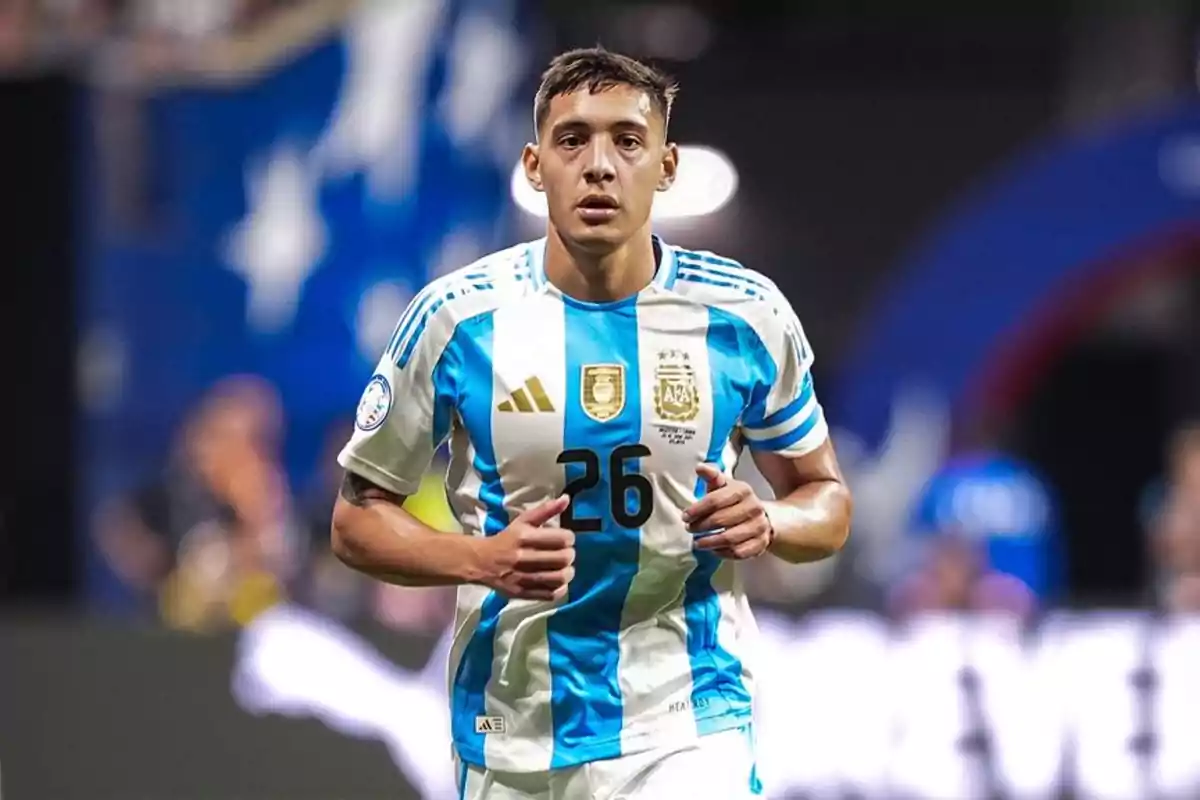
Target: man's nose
[[600, 162]]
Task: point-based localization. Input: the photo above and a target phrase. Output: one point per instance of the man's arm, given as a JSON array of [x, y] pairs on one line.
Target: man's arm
[[811, 515], [527, 560], [373, 534]]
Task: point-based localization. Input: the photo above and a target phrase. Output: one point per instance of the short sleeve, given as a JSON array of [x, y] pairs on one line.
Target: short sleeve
[[405, 411], [784, 415]]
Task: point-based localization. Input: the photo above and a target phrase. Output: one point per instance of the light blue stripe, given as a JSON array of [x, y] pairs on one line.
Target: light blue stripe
[[724, 268], [419, 310], [447, 376], [785, 440], [410, 346], [790, 410], [414, 308], [585, 699], [535, 255], [462, 780], [472, 343], [696, 276], [431, 299], [756, 787], [719, 696], [711, 258]]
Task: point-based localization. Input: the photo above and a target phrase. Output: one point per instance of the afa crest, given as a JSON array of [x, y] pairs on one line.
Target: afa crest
[[602, 391], [676, 396]]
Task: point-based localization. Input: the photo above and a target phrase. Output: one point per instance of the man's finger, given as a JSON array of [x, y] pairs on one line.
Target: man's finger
[[542, 513], [547, 539], [727, 538], [752, 548], [547, 580], [726, 517], [545, 560], [712, 475], [720, 498]]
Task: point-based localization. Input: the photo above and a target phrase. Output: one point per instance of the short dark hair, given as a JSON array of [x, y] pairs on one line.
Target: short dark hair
[[599, 69]]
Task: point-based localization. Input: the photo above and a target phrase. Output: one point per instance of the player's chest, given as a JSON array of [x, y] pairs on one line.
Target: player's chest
[[553, 382]]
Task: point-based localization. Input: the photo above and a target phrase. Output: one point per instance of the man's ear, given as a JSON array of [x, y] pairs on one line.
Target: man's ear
[[670, 165], [533, 166]]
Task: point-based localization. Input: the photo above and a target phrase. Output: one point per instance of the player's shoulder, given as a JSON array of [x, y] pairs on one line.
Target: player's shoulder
[[459, 296], [498, 275], [726, 284]]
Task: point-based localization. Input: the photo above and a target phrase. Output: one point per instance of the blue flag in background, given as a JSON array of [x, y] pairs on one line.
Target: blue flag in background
[[294, 216]]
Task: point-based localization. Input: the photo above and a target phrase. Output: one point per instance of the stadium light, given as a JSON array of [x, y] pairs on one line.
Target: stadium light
[[706, 182]]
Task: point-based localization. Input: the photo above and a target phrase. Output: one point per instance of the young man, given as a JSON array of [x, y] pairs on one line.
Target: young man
[[597, 387]]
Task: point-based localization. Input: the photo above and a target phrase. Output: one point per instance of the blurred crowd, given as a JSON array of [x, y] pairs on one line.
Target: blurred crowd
[[221, 534]]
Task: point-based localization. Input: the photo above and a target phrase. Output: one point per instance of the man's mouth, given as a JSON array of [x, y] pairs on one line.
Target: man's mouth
[[598, 208]]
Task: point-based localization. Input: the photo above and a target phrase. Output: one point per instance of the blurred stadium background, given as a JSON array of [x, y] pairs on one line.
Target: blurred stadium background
[[988, 219]]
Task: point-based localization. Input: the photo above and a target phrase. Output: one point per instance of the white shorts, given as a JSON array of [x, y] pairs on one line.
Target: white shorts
[[720, 766]]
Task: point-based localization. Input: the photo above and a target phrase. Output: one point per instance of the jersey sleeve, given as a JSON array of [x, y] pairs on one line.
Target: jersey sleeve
[[405, 412], [784, 415]]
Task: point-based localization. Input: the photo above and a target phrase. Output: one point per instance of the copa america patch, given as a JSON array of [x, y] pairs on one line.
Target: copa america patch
[[375, 404]]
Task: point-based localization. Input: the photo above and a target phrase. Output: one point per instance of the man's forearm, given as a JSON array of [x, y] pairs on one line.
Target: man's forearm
[[812, 523], [374, 535]]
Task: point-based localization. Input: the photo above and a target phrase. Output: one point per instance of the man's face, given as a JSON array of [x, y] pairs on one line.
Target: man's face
[[600, 159]]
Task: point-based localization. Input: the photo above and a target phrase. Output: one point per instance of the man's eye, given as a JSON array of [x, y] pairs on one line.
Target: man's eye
[[629, 142], [570, 141]]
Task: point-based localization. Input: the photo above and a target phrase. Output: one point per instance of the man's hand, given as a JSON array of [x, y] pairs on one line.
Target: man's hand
[[733, 510], [528, 560]]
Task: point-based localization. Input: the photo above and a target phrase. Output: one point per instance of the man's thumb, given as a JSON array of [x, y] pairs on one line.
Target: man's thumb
[[542, 513], [712, 474]]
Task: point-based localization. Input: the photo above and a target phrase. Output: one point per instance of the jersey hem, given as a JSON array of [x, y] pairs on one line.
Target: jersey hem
[[378, 475], [638, 742], [795, 450]]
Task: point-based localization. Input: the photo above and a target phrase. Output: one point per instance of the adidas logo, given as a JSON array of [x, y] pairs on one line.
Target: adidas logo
[[532, 397]]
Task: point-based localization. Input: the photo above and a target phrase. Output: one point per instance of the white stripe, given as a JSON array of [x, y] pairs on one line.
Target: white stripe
[[655, 669], [497, 269], [414, 306], [758, 281], [535, 257], [462, 491], [528, 341], [702, 271], [789, 424], [700, 255], [811, 441], [463, 484]]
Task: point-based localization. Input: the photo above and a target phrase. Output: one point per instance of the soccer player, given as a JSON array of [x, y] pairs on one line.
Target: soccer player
[[596, 387]]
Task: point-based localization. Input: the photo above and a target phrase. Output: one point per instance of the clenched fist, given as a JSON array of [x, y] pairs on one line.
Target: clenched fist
[[730, 517], [529, 560]]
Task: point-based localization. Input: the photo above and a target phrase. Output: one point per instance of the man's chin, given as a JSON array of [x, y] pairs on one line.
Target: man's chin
[[597, 238]]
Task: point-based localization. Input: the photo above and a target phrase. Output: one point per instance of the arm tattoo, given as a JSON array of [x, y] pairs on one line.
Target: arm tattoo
[[358, 491]]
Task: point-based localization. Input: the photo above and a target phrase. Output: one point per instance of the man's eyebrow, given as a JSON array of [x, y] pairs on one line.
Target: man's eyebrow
[[579, 124]]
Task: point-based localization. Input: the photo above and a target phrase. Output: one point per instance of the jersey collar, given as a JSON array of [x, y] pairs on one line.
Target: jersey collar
[[664, 275]]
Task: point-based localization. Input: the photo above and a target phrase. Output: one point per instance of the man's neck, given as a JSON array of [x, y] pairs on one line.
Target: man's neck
[[600, 278]]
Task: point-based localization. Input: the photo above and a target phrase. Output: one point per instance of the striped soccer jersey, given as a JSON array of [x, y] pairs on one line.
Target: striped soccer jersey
[[615, 404]]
